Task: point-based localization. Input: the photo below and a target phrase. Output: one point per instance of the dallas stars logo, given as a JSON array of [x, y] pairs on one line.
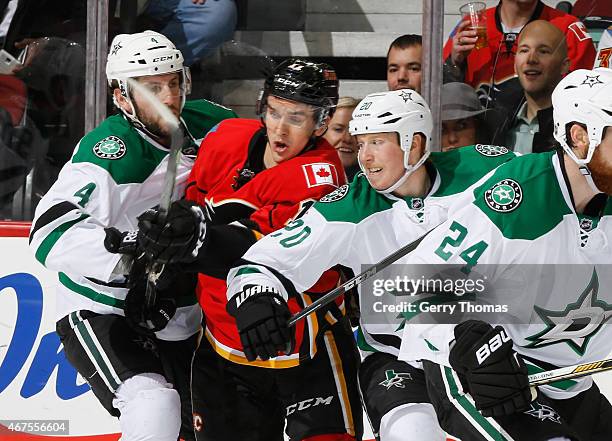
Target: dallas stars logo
[[110, 147], [577, 323], [591, 81], [336, 195], [490, 150], [504, 196], [543, 412], [116, 48], [395, 379], [406, 96]]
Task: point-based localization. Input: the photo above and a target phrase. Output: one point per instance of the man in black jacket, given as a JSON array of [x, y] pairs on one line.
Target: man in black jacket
[[541, 62]]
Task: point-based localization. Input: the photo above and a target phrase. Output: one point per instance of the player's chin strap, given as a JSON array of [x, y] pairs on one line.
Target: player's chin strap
[[584, 170], [408, 170]]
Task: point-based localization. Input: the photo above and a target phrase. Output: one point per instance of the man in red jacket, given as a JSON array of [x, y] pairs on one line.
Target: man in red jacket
[[490, 70], [251, 178]]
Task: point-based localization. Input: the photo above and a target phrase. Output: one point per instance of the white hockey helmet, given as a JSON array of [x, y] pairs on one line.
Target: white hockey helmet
[[585, 97], [144, 54], [404, 112]]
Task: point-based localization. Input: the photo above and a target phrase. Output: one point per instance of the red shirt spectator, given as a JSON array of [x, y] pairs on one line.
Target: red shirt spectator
[[494, 64]]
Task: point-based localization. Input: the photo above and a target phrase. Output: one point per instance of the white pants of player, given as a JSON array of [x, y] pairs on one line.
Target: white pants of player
[[150, 409], [411, 422], [415, 422]]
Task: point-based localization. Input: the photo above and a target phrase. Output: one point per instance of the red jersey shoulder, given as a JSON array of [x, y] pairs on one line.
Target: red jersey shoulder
[[566, 23], [319, 166], [222, 152]]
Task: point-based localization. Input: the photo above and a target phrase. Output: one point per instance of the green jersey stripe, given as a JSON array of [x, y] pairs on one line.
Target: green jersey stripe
[[47, 244], [90, 293]]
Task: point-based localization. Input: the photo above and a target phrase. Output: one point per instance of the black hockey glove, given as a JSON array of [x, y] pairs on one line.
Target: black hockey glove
[[178, 238], [261, 316], [149, 320], [121, 242], [495, 374]]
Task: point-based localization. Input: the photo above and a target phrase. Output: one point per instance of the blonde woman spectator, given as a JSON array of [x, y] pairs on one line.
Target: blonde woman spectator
[[340, 139]]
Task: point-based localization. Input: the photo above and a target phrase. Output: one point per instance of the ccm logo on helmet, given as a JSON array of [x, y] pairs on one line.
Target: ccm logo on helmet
[[287, 82], [164, 58], [310, 402], [491, 346]]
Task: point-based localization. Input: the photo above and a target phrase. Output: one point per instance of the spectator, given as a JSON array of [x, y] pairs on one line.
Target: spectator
[[196, 26], [339, 137], [540, 63], [462, 117], [490, 70], [404, 63]]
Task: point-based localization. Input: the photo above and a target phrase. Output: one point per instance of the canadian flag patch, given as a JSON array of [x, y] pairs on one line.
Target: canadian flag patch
[[320, 174]]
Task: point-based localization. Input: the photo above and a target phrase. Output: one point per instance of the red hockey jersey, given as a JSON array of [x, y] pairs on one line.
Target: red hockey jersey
[[266, 202], [482, 67]]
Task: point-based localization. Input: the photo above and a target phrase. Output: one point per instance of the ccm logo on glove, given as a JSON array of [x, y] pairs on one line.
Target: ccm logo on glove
[[491, 346], [253, 290]]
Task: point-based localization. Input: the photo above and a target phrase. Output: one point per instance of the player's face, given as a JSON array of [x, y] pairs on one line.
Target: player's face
[[404, 68], [289, 126], [167, 89], [339, 137], [601, 163], [458, 133], [381, 158]]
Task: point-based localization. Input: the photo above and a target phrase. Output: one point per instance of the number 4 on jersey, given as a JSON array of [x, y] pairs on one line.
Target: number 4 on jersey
[[85, 193], [470, 255]]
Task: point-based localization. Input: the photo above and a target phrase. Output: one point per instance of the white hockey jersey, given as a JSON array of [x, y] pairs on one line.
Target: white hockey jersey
[[355, 226], [604, 50], [115, 173], [522, 221]]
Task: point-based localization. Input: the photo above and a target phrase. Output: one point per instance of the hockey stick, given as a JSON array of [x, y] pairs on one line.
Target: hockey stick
[[357, 280], [570, 372], [154, 269]]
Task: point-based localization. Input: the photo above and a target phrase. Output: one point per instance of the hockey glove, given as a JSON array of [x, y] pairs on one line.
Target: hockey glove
[[495, 374], [178, 238], [119, 242], [149, 320], [261, 316]]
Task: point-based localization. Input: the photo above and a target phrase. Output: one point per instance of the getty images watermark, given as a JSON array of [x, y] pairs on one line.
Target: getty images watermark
[[38, 427], [503, 294]]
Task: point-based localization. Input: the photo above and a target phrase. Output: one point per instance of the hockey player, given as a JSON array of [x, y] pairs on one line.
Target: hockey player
[[117, 172], [548, 208], [402, 192], [252, 177]]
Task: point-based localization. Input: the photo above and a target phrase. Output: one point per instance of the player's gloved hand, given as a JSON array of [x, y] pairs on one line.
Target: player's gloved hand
[[143, 319], [121, 242], [496, 375], [261, 316], [178, 238]]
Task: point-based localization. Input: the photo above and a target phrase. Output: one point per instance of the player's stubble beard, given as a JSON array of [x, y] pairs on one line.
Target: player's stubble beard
[[153, 125], [601, 171]]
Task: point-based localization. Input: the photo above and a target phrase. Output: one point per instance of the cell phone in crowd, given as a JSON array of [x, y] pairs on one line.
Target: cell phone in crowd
[[8, 63]]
